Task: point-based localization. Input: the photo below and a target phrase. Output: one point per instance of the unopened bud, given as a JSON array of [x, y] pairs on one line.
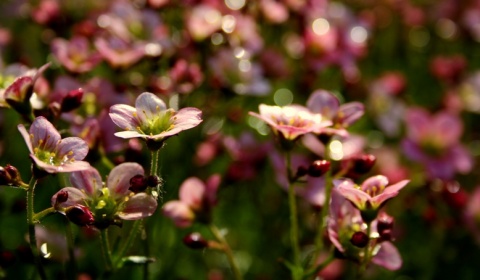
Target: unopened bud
[[153, 181], [138, 183], [80, 215], [318, 168], [363, 164], [62, 196], [72, 100], [9, 175], [359, 239], [195, 241], [301, 171]]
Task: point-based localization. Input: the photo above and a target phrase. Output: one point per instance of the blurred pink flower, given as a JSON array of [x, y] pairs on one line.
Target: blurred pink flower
[[50, 152], [342, 116], [118, 52], [434, 141], [196, 200], [203, 21], [110, 202], [75, 55]]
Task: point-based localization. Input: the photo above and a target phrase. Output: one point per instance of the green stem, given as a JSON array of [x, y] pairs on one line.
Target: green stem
[[227, 250], [72, 265], [154, 163], [42, 214], [293, 218], [128, 243], [366, 252], [107, 255], [322, 225], [31, 228]]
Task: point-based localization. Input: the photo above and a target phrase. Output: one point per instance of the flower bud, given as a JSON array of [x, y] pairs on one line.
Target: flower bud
[[80, 215], [138, 183], [195, 241], [318, 168], [359, 239], [301, 171], [9, 175], [153, 181], [62, 196], [363, 164], [72, 100]]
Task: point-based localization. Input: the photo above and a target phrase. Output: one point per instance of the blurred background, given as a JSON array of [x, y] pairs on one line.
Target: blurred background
[[226, 57]]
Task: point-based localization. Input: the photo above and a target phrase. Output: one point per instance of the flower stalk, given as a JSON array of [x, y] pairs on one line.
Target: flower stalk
[[227, 250]]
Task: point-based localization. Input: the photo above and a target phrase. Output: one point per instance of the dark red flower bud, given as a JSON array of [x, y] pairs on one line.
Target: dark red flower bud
[[72, 100], [80, 215], [318, 168], [138, 183], [359, 239], [195, 240], [301, 171], [9, 175], [363, 164], [153, 181], [384, 223], [7, 258], [62, 196]]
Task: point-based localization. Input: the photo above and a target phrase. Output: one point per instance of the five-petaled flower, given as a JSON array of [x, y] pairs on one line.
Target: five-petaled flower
[[151, 120], [107, 203], [51, 153], [291, 121], [371, 195]]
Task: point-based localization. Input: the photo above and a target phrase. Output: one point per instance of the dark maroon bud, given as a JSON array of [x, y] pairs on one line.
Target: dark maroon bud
[[9, 175], [301, 171], [153, 181], [384, 223], [80, 215], [386, 235], [72, 100], [363, 164], [138, 183], [195, 240], [359, 239], [62, 196], [318, 168]]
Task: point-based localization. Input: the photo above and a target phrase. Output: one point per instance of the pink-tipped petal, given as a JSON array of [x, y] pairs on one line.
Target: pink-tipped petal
[[388, 256], [138, 207], [88, 180], [124, 116], [356, 196]]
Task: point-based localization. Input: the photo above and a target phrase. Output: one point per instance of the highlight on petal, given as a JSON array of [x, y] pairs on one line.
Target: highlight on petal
[[138, 206], [119, 178]]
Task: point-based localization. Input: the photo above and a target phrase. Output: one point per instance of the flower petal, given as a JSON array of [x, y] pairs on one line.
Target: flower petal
[[26, 137], [418, 124], [75, 196], [148, 106], [124, 116], [179, 212], [448, 128], [129, 134], [388, 193], [63, 168], [388, 256], [72, 147], [350, 113], [88, 180], [119, 178], [356, 196], [323, 102], [45, 135], [192, 192], [138, 206]]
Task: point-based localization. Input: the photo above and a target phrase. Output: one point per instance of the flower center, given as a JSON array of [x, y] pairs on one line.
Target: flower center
[[159, 123]]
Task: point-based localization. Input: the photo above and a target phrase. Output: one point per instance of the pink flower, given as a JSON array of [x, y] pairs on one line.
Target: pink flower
[[118, 52], [342, 116], [110, 202], [434, 141], [345, 221], [196, 201], [151, 120], [50, 152], [372, 194], [291, 121], [75, 54]]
